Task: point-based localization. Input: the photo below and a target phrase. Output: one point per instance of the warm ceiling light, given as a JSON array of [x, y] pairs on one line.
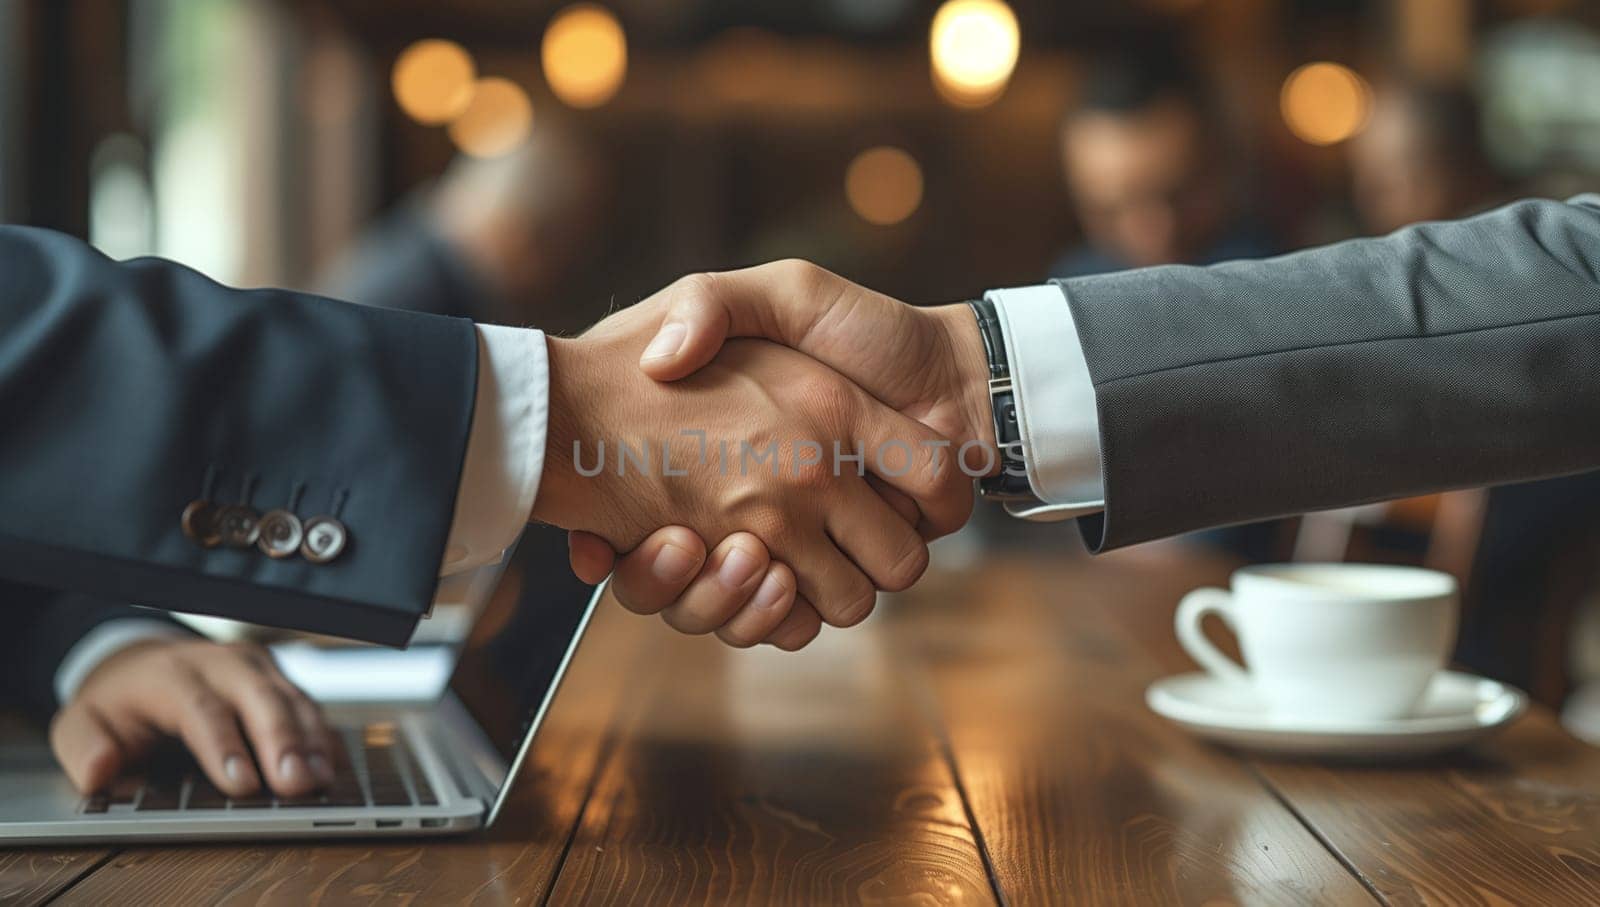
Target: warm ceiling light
[[1325, 103], [884, 185], [585, 55], [974, 45], [497, 121], [433, 80]]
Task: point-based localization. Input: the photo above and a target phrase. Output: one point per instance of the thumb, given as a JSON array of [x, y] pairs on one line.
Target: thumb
[[780, 301], [591, 556], [691, 333]]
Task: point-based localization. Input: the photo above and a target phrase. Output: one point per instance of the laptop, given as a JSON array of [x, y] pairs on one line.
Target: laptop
[[421, 767]]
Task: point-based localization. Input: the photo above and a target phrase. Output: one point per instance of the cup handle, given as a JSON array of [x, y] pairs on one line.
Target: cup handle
[[1194, 607]]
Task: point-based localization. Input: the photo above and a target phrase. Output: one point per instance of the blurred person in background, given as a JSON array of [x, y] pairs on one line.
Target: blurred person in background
[[491, 240], [1146, 170], [1150, 185], [1419, 158]]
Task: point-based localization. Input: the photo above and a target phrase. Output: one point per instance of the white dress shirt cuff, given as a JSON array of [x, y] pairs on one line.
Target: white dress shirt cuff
[[505, 451], [101, 643], [1056, 413]]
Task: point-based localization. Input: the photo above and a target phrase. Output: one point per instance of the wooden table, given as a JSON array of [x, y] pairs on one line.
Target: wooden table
[[982, 740]]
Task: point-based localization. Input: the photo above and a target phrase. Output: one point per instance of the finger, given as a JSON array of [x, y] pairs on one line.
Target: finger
[[766, 610], [196, 713], [778, 301], [268, 718], [653, 575], [798, 629], [730, 578], [886, 547], [897, 499], [85, 746], [591, 556], [827, 578], [320, 750], [919, 463]]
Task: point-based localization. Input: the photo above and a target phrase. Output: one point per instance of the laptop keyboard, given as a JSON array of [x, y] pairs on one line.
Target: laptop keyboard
[[374, 767]]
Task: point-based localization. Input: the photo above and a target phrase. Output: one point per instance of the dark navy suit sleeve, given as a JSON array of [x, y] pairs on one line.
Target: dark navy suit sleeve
[[129, 389], [41, 627]]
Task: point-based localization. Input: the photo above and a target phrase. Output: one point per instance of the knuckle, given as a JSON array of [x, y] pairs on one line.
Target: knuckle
[[687, 622], [908, 567], [695, 288], [796, 269], [208, 706], [280, 727], [798, 638], [770, 523], [825, 396], [737, 637], [805, 278], [854, 606], [622, 591], [264, 693]]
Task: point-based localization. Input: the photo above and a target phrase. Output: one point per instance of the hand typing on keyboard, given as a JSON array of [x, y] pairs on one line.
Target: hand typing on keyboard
[[205, 694]]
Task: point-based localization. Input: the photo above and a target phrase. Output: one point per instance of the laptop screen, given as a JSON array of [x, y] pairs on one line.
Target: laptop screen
[[518, 642]]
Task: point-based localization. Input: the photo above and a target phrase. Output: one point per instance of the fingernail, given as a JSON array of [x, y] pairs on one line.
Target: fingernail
[[771, 592], [672, 563], [233, 767], [291, 767], [667, 341], [738, 566], [321, 768]]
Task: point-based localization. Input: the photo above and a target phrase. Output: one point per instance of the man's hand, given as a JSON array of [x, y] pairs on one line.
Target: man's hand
[[690, 461], [203, 693], [927, 363]]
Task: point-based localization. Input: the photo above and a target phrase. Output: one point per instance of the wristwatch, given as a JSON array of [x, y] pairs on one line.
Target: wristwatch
[[1011, 483]]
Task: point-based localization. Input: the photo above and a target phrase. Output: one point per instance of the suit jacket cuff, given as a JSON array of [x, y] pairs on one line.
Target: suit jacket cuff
[[505, 451], [1056, 413]]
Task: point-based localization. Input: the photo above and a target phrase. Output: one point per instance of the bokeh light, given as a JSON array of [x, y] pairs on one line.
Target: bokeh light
[[497, 121], [585, 55], [974, 46], [884, 185], [433, 81], [1324, 103]]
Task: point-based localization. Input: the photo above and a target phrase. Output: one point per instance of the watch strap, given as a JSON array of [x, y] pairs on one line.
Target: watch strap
[[1011, 483]]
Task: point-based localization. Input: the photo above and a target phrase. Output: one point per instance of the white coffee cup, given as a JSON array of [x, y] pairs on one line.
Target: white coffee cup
[[1331, 642]]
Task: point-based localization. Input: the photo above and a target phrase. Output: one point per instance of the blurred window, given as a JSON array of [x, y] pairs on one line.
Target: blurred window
[[121, 211], [1541, 109]]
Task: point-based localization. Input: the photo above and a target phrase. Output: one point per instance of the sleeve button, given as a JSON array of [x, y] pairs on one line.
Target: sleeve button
[[200, 523], [281, 534], [325, 538], [239, 525]]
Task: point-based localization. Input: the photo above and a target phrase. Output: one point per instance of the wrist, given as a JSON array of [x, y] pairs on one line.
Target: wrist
[[574, 396], [970, 366]]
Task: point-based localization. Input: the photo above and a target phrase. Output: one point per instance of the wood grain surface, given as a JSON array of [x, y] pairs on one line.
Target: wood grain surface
[[33, 876], [982, 740], [763, 778], [1082, 795]]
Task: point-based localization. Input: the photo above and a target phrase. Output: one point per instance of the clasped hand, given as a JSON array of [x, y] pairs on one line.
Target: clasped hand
[[821, 457]]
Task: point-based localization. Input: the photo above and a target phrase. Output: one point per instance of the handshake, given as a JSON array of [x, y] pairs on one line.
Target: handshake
[[770, 447]]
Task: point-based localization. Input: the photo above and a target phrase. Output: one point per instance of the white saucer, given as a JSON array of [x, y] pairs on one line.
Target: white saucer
[[1456, 710]]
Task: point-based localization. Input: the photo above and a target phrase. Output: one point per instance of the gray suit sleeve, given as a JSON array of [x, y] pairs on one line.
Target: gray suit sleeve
[[1445, 355], [128, 389]]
